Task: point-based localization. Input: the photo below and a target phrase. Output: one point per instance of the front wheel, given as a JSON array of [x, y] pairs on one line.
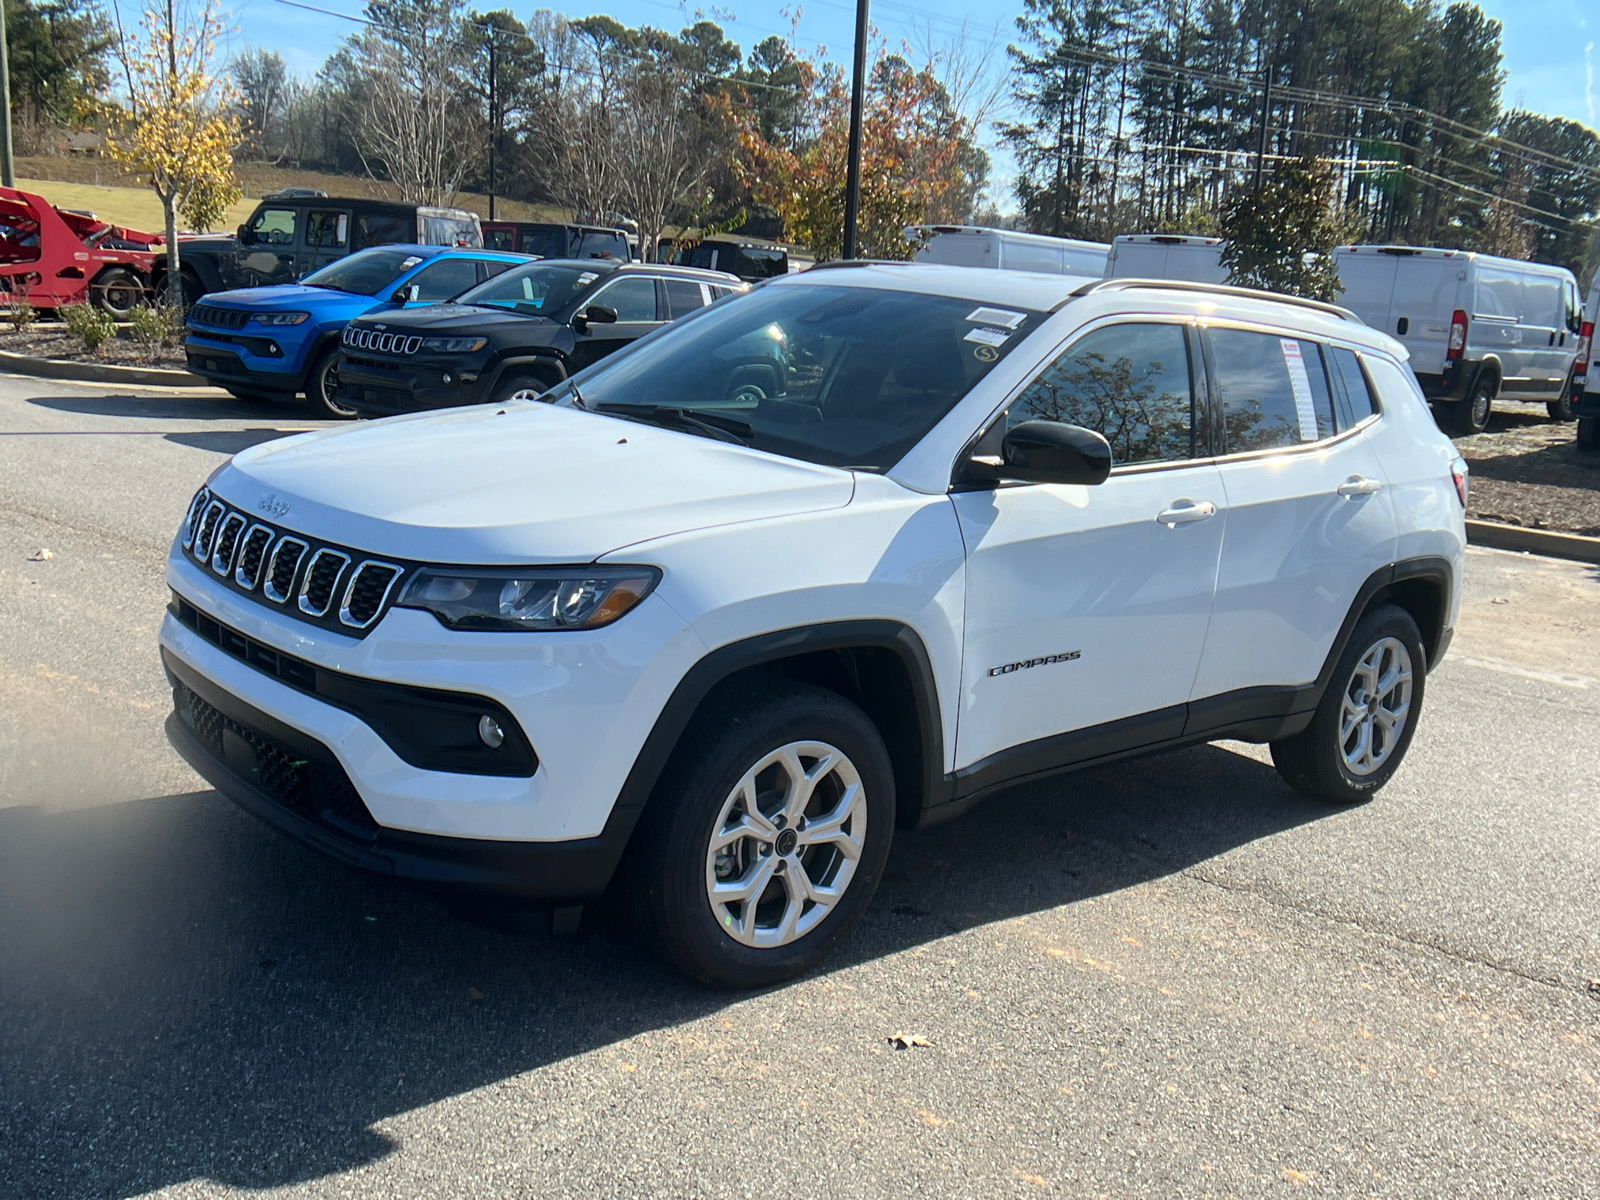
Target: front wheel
[[766, 839], [322, 389], [1363, 726]]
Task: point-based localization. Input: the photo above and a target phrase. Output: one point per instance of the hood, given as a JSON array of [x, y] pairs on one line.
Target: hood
[[291, 296], [522, 482], [468, 318]]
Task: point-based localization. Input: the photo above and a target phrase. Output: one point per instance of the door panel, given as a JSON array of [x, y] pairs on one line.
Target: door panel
[[634, 298], [1306, 525], [1086, 571]]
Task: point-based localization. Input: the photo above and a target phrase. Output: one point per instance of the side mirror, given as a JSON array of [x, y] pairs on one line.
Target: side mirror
[[595, 314], [1054, 452], [406, 295], [245, 236]]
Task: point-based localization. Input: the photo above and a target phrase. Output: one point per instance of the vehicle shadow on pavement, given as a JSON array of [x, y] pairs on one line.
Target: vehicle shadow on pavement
[[184, 994], [230, 441], [163, 407]]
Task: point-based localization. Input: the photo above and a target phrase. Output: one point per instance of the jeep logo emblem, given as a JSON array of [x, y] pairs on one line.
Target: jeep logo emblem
[[271, 505]]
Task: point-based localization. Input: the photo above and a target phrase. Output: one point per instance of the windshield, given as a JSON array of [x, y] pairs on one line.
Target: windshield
[[844, 376], [366, 272], [536, 288]]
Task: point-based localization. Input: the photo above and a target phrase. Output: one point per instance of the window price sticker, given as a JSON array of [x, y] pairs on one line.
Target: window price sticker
[[1301, 383], [987, 337], [996, 316]]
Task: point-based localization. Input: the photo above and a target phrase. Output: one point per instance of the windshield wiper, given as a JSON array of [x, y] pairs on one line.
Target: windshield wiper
[[692, 420]]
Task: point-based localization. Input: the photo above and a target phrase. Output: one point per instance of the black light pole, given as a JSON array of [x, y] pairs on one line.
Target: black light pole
[[852, 174], [1266, 111], [6, 177], [494, 121]]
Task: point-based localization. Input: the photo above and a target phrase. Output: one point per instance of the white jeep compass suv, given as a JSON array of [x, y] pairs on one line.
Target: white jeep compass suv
[[841, 555]]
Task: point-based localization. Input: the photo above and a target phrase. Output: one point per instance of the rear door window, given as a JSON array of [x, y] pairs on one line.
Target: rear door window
[[327, 230], [683, 297], [1129, 383], [1272, 390], [633, 297], [442, 280]]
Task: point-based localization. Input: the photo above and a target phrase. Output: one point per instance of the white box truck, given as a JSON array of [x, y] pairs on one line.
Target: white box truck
[[1008, 250], [1167, 256], [1478, 327]]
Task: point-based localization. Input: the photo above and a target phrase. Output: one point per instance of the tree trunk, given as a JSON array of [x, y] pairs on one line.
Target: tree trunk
[[169, 208]]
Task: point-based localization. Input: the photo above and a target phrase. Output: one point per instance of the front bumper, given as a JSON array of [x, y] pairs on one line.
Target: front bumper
[[384, 387], [296, 785], [230, 365]]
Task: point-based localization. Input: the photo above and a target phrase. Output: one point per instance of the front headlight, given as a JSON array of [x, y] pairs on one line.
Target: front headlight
[[458, 345], [283, 318], [529, 599]]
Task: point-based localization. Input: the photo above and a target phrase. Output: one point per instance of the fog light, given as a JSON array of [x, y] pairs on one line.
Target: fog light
[[489, 730], [448, 378]]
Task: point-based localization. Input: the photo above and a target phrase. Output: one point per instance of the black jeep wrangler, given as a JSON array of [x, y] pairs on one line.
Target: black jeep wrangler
[[297, 230]]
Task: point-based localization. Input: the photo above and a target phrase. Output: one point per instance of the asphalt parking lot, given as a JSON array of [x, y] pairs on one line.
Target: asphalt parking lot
[[1172, 977]]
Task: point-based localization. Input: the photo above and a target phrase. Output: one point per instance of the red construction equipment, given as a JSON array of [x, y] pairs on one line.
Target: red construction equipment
[[53, 257]]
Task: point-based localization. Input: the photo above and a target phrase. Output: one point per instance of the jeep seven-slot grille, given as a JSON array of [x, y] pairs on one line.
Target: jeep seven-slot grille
[[328, 585], [220, 318], [358, 337]]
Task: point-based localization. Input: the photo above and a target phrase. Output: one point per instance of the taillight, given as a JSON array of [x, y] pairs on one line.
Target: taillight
[[1581, 363], [1458, 335], [1458, 474]]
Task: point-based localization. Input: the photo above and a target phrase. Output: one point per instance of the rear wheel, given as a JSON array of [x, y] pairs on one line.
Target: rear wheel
[[322, 388], [116, 292], [1561, 409], [1463, 418], [1589, 433], [767, 837], [1363, 726]]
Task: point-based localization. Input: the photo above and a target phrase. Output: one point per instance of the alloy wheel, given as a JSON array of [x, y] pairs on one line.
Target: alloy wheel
[[1377, 702], [786, 844]]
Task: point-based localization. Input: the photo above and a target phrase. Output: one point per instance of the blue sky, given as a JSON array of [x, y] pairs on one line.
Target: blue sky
[[1550, 45]]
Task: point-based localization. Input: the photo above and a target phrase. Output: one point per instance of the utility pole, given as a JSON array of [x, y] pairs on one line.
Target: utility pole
[[494, 121], [7, 173], [852, 175], [1266, 111]]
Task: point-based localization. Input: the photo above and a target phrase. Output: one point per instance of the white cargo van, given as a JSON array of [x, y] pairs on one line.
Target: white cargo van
[[1006, 249], [1167, 256], [1478, 327]]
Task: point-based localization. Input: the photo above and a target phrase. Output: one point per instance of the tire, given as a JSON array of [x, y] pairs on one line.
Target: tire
[[507, 389], [322, 388], [1561, 410], [1589, 434], [1345, 762], [1463, 418], [116, 291], [190, 289], [737, 753]]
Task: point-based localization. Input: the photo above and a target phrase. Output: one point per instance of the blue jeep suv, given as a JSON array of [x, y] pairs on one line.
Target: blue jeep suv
[[270, 343]]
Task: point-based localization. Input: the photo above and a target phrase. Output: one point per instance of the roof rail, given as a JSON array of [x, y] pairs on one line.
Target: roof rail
[[1221, 289]]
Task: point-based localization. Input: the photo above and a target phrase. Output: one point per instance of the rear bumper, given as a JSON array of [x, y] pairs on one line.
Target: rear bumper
[[1452, 383], [240, 751], [1586, 404]]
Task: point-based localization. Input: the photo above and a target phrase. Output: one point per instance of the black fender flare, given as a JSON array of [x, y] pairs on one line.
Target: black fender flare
[[319, 347], [1380, 585], [543, 362], [726, 661], [1491, 363]]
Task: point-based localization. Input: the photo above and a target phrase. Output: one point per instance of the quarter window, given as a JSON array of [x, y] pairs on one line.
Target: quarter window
[[382, 229], [634, 298], [1129, 383], [1272, 390], [1350, 386]]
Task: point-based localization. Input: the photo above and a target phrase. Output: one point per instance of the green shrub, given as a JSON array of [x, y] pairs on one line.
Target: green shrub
[[89, 325], [21, 314], [151, 326]]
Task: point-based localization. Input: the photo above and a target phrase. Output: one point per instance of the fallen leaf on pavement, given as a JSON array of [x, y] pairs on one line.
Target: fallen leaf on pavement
[[474, 994], [41, 555], [904, 1041]]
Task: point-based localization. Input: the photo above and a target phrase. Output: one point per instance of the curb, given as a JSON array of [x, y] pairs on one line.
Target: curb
[[56, 368], [1533, 541]]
